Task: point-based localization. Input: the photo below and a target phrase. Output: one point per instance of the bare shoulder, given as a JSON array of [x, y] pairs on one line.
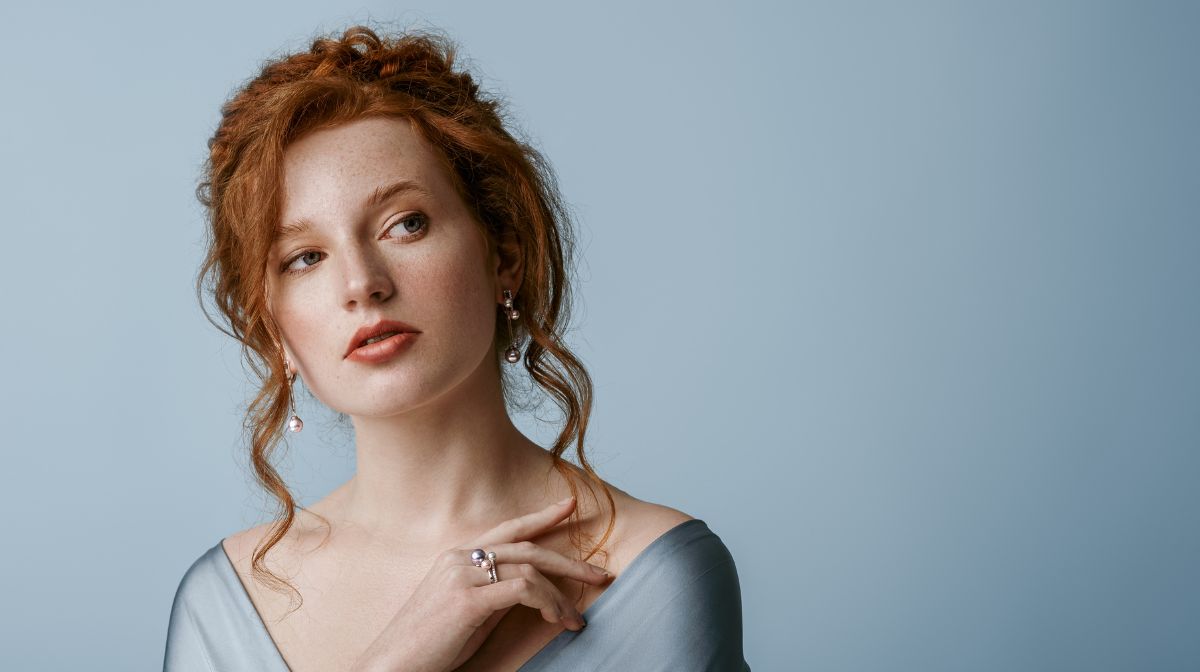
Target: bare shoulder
[[649, 521], [639, 523], [240, 546]]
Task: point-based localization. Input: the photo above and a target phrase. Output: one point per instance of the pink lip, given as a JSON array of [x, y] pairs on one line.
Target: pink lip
[[384, 350], [353, 351]]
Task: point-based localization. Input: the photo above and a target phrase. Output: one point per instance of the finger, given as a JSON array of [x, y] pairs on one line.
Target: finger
[[527, 526], [533, 590], [545, 560]]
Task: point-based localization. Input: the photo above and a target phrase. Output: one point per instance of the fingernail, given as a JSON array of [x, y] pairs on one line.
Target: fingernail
[[566, 500]]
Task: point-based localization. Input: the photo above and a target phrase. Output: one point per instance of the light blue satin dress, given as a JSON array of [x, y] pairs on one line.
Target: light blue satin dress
[[676, 606]]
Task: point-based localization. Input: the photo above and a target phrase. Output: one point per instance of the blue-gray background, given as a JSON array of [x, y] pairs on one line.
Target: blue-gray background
[[901, 298]]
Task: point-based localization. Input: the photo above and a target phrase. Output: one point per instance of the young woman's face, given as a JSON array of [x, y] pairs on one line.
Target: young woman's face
[[416, 256]]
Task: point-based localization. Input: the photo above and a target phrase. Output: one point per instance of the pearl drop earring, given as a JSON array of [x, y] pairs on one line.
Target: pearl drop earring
[[295, 424], [513, 355]]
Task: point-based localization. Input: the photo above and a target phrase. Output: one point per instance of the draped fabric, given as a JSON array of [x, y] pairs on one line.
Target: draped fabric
[[676, 606]]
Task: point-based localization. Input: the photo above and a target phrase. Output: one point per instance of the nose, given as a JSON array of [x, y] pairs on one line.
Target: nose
[[366, 278]]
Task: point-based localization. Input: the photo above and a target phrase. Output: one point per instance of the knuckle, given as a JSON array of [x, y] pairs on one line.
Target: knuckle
[[459, 602], [468, 610]]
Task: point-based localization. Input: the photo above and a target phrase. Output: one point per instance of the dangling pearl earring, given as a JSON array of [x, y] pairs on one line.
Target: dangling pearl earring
[[513, 355], [295, 424]]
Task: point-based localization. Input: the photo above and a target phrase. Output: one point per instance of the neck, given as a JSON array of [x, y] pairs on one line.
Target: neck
[[445, 471]]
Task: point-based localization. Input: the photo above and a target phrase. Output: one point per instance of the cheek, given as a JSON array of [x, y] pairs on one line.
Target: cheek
[[305, 329], [455, 292], [459, 293], [301, 310]]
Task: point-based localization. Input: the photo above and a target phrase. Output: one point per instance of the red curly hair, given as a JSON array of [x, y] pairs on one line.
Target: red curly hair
[[507, 185]]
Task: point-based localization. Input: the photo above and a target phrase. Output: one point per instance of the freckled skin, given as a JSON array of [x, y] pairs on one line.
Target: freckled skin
[[438, 460], [364, 263]]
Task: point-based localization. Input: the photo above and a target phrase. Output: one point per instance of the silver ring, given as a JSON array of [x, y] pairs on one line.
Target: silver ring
[[487, 561]]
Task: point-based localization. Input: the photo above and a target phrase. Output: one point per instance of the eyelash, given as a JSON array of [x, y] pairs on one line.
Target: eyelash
[[415, 234]]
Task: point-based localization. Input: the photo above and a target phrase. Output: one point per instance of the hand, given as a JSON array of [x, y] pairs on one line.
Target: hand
[[456, 607]]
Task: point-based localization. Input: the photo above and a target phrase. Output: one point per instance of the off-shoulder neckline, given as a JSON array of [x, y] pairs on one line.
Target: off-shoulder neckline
[[624, 578]]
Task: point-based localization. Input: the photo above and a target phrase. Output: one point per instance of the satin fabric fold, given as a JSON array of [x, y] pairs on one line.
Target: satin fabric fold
[[676, 606]]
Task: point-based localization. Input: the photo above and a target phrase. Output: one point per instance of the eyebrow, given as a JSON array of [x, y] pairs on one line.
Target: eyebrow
[[381, 194]]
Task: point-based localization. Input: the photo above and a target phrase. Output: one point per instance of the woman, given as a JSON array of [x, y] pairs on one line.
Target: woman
[[377, 234]]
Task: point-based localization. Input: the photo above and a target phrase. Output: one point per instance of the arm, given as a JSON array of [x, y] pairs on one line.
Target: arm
[[186, 650], [698, 625]]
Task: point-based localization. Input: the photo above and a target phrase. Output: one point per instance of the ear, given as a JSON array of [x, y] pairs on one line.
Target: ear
[[506, 265], [281, 343], [291, 359]]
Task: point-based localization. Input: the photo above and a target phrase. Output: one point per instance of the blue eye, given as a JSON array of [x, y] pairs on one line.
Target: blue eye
[[420, 227], [416, 216], [287, 264]]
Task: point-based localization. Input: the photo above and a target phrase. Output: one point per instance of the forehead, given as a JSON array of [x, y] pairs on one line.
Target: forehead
[[338, 168]]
